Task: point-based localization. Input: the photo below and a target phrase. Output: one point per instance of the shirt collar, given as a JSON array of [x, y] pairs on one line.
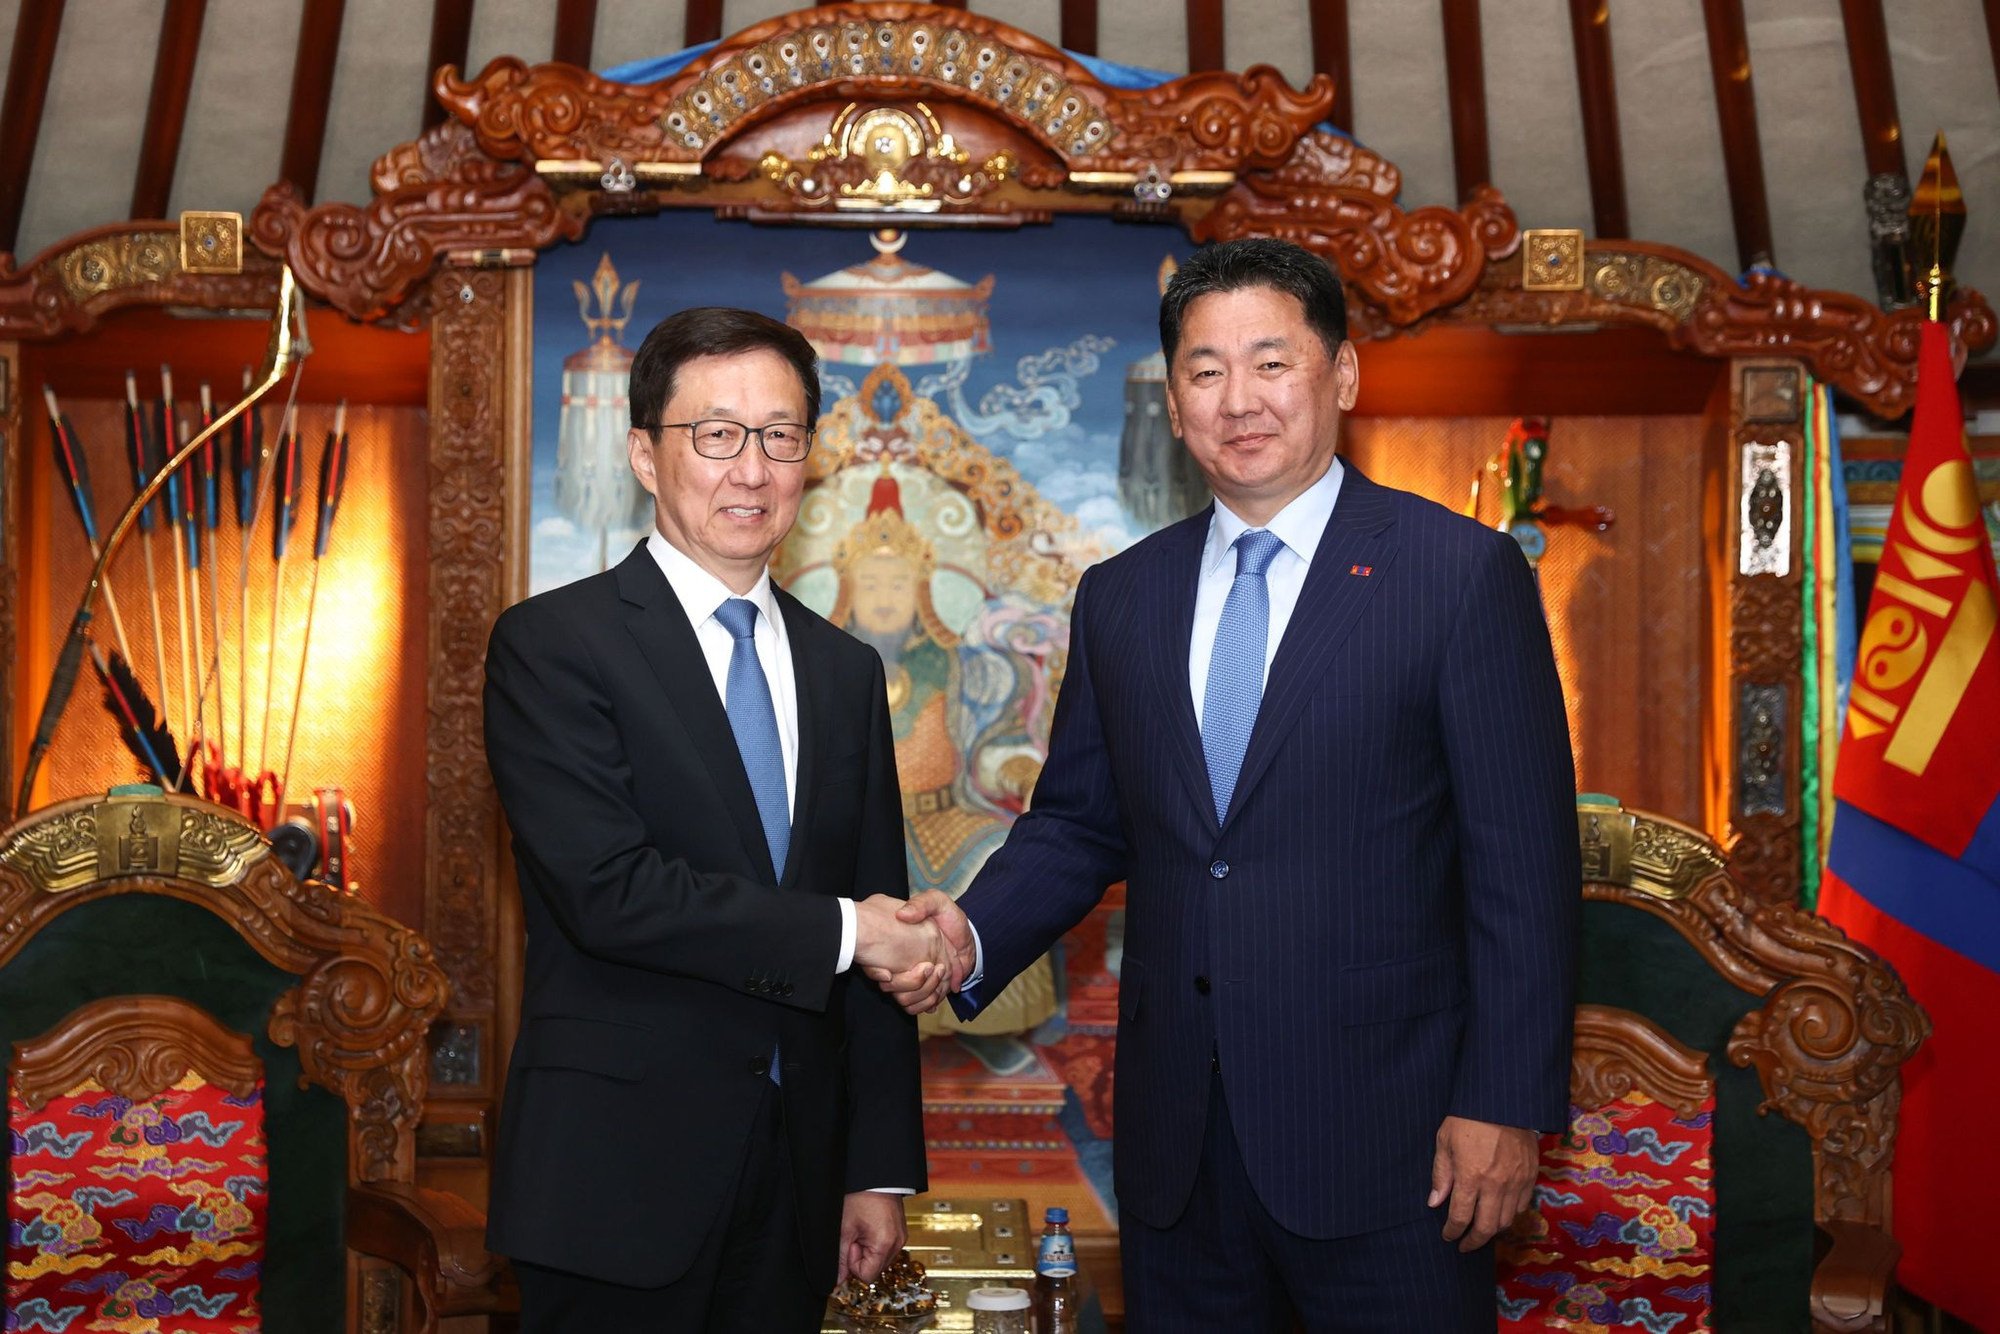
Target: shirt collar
[[1299, 525], [700, 592]]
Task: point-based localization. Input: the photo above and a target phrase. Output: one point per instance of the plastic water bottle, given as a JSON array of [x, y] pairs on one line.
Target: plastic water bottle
[[1055, 1276]]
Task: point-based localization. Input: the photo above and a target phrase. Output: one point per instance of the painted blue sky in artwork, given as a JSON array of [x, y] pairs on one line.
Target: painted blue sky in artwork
[[1053, 284]]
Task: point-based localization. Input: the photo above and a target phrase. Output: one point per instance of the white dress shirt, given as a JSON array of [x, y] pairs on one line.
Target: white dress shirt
[[1299, 525], [700, 594]]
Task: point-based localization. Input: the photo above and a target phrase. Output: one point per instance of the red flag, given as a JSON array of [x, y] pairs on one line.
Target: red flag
[[1914, 869]]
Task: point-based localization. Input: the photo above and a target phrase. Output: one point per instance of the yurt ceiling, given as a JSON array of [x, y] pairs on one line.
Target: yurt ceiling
[[1736, 129]]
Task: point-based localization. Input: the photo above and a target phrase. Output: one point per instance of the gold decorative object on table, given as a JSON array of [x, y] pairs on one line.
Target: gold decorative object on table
[[895, 1300], [955, 1245]]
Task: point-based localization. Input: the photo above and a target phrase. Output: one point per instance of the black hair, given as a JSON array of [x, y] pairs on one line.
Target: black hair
[[713, 331], [1257, 261]]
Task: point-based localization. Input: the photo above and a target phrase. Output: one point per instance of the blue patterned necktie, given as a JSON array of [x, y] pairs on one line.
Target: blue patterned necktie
[[1236, 668], [755, 723]]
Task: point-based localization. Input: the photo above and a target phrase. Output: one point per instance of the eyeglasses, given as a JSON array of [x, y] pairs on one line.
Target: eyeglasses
[[719, 438]]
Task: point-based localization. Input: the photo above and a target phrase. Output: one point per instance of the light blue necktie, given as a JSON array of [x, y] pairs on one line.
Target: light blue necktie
[[755, 723], [1236, 668]]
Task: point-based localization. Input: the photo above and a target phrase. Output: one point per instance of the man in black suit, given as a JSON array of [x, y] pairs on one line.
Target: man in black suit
[[1318, 730], [710, 1114]]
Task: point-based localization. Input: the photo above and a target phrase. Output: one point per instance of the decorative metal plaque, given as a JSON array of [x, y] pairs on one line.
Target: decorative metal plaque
[[1771, 394], [211, 242], [1552, 259], [1764, 534], [1762, 720], [455, 1054]]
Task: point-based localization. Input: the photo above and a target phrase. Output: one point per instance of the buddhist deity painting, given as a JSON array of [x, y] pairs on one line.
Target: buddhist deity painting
[[993, 423]]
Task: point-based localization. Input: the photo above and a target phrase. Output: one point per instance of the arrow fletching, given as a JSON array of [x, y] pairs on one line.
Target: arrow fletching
[[71, 463], [150, 740], [207, 465], [332, 480], [138, 447], [289, 476], [246, 444]]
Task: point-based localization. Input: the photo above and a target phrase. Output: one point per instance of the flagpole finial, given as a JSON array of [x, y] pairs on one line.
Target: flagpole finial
[[1937, 221]]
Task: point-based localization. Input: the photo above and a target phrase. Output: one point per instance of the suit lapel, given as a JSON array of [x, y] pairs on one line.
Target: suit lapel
[[812, 727], [659, 626], [1171, 622], [1359, 535]]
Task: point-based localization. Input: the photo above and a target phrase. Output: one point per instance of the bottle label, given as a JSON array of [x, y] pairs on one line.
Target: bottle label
[[1057, 1257]]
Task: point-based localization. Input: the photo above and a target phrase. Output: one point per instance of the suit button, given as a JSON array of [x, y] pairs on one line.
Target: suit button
[[1201, 984], [784, 988], [760, 1065], [752, 984], [1218, 869]]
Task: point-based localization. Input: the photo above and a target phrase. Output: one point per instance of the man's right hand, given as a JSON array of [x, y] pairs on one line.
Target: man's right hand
[[888, 943], [922, 989]]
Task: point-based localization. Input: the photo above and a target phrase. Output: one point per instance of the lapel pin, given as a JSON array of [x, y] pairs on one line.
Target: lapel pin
[[1363, 570]]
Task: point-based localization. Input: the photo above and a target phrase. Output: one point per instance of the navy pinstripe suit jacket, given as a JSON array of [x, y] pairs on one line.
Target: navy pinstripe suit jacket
[[1383, 930]]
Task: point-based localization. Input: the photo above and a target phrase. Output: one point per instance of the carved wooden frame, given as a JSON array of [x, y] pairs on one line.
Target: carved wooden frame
[[135, 1047], [1832, 1032], [1616, 1052], [368, 988]]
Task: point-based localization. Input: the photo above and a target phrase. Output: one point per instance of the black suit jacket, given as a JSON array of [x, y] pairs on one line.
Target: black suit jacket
[[666, 956], [1383, 930]]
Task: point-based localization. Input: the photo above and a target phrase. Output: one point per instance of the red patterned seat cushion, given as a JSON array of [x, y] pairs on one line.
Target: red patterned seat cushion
[[1621, 1233], [136, 1216]]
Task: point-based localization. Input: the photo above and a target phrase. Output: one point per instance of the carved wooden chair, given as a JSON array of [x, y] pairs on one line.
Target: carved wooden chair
[[214, 1077], [1734, 1090]]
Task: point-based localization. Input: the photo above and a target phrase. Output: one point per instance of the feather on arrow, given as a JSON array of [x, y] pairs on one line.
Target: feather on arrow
[[150, 740]]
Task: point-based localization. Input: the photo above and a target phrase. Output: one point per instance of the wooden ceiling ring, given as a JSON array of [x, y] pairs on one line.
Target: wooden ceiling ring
[[312, 93], [1206, 49], [1742, 151], [1079, 26], [1874, 87], [451, 39], [1331, 48], [1465, 80], [28, 69], [166, 109], [576, 32], [1603, 151]]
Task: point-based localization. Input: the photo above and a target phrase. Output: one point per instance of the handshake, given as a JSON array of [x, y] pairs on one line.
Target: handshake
[[917, 951]]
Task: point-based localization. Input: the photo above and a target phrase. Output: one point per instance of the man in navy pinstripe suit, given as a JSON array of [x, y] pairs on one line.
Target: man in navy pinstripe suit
[[1318, 731]]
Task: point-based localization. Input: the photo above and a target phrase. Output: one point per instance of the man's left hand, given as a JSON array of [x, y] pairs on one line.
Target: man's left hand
[[871, 1231], [1488, 1174]]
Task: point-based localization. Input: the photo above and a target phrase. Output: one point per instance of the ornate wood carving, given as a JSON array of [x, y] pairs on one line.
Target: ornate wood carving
[[1616, 1052], [1338, 199], [1651, 854], [1846, 340], [1204, 123], [1833, 1030], [66, 289], [135, 1047], [368, 987], [437, 154], [467, 592], [366, 261]]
